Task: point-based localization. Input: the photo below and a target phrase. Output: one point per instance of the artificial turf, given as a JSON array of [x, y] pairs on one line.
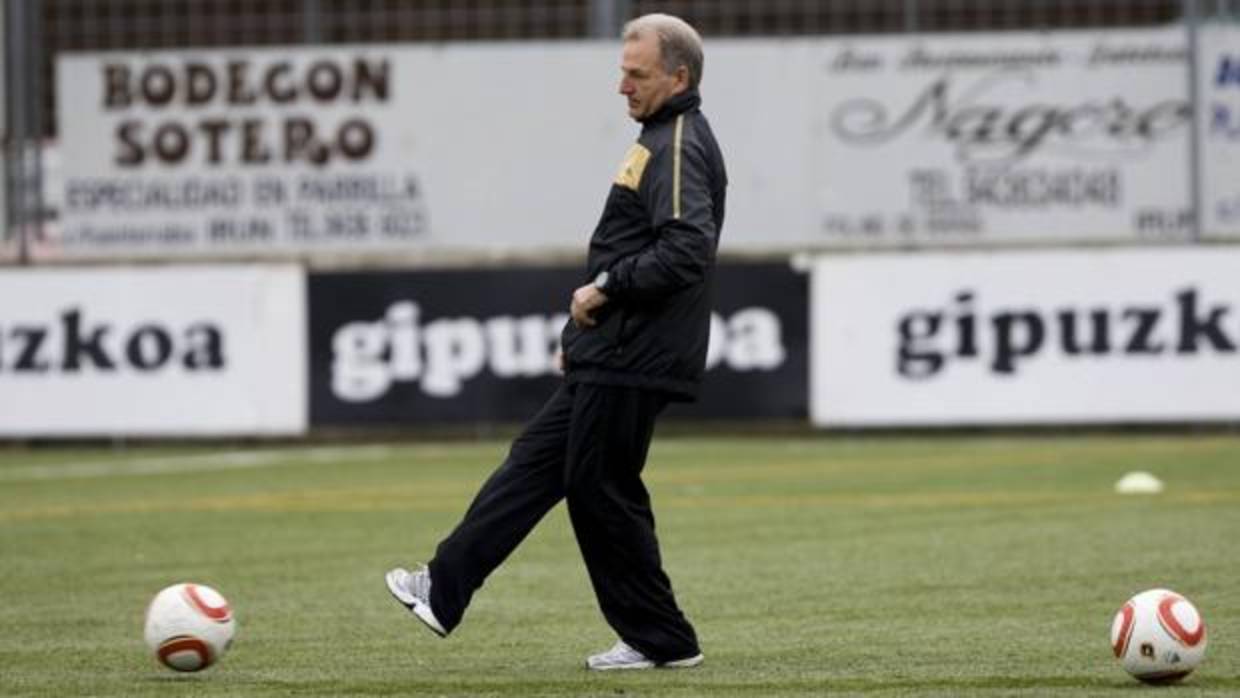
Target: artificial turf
[[876, 566]]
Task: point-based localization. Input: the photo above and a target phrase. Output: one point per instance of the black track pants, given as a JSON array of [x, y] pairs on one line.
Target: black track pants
[[588, 445]]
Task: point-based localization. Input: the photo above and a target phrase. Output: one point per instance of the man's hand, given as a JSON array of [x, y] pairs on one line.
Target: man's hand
[[586, 300]]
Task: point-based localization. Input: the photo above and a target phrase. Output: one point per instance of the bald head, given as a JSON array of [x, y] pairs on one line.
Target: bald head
[[679, 43]]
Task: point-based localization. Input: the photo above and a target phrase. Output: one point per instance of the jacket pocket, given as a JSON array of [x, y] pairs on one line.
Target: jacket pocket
[[621, 337]]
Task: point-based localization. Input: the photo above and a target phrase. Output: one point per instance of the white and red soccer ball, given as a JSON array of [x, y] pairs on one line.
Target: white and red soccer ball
[[1158, 636], [189, 626]]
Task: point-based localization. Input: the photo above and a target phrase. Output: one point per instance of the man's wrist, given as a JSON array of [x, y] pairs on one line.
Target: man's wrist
[[601, 282]]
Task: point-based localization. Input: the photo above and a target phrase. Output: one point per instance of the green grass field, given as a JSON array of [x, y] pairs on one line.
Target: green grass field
[[880, 566]]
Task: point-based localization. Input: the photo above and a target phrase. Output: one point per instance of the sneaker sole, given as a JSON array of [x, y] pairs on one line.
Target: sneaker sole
[[622, 667], [417, 608], [687, 663]]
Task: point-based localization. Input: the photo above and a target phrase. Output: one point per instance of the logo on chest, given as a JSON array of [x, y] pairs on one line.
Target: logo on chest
[[634, 165]]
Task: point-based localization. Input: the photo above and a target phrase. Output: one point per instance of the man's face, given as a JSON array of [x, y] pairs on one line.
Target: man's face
[[643, 80]]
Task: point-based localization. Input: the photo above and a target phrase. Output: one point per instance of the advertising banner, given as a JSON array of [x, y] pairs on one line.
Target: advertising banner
[[443, 346], [1219, 83], [1003, 138], [1026, 338], [166, 351], [235, 153], [355, 150], [857, 141]]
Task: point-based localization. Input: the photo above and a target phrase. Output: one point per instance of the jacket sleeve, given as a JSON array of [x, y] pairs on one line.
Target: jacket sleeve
[[676, 192]]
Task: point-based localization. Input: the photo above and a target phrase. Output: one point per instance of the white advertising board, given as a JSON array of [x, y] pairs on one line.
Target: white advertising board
[[860, 141], [1219, 83], [997, 138], [1044, 337], [293, 151], [161, 351]]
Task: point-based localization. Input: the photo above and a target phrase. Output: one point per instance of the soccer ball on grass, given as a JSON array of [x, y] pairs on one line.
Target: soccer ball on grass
[[189, 626], [1158, 636]]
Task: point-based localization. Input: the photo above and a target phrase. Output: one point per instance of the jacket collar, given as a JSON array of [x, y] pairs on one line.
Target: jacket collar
[[675, 106]]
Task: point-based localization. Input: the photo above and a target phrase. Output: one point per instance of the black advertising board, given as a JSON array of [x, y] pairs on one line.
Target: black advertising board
[[758, 364], [458, 346]]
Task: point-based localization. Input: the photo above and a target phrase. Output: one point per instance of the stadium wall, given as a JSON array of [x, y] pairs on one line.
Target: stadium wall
[[950, 200]]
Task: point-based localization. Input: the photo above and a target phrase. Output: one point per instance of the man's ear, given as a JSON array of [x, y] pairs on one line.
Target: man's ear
[[682, 78]]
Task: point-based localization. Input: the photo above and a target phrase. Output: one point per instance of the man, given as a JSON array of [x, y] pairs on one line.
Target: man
[[637, 340]]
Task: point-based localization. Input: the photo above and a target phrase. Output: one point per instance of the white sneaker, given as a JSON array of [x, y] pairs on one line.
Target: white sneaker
[[622, 656], [413, 591]]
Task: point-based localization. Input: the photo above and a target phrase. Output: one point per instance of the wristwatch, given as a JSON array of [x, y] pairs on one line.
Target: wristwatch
[[600, 281]]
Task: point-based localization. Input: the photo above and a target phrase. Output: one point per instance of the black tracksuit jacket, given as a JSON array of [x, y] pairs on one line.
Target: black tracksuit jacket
[[657, 239]]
